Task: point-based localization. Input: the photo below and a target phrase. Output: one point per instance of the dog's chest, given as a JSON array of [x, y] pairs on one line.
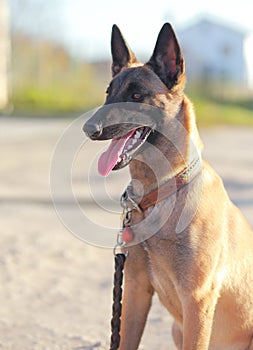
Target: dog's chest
[[162, 278]]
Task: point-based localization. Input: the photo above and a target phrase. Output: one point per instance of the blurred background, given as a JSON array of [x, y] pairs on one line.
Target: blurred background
[[55, 290], [55, 57]]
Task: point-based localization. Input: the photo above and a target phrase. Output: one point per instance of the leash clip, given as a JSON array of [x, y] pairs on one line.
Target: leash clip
[[128, 203], [120, 243]]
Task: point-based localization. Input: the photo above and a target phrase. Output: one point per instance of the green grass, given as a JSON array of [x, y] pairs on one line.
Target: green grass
[[210, 112], [54, 99], [57, 97]]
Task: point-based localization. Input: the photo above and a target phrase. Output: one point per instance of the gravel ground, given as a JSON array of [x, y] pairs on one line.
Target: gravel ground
[[55, 289]]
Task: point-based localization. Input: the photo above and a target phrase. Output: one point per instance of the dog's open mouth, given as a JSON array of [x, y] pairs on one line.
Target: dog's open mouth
[[121, 150]]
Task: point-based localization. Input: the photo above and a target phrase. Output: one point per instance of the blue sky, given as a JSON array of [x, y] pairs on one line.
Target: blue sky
[[86, 25]]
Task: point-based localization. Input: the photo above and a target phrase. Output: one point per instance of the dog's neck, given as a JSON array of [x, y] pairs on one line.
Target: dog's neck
[[169, 153]]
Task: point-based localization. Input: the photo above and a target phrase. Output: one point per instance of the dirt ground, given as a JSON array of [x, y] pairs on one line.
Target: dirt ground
[[56, 289]]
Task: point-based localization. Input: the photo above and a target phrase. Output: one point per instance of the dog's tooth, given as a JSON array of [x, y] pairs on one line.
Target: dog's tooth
[[137, 134], [127, 157]]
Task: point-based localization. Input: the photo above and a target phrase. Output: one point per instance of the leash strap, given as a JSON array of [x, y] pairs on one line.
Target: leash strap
[[117, 296]]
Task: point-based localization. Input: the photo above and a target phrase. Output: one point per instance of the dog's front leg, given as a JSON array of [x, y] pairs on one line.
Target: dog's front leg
[[198, 322], [137, 296]]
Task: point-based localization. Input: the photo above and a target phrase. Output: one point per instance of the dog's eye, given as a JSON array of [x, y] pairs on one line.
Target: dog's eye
[[136, 96]]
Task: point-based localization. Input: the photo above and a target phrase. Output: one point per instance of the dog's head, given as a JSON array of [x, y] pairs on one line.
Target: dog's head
[[126, 117]]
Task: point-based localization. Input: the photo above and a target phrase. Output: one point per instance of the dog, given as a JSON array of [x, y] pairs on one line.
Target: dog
[[200, 266]]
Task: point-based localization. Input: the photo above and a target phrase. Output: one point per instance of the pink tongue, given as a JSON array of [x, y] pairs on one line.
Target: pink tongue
[[109, 158]]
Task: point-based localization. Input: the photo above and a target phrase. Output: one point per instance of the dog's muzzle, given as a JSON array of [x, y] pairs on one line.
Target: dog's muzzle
[[92, 130]]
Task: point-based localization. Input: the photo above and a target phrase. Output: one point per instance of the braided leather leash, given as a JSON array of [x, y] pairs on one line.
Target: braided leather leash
[[117, 296]]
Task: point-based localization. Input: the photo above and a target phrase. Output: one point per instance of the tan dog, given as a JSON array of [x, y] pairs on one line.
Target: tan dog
[[200, 266]]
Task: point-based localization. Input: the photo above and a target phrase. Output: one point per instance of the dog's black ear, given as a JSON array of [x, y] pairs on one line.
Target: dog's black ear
[[167, 60], [122, 55]]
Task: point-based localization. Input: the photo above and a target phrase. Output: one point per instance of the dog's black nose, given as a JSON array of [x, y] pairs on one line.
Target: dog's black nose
[[92, 130]]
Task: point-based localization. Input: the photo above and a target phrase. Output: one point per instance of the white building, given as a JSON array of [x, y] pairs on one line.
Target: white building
[[218, 52]]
